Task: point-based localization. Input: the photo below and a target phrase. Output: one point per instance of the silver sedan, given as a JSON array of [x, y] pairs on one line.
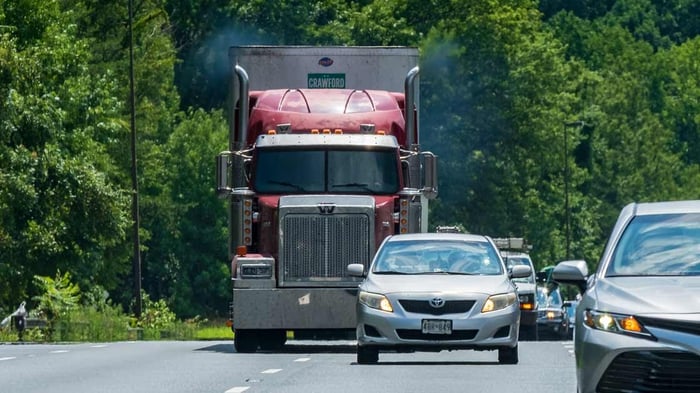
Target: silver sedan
[[437, 291], [638, 321]]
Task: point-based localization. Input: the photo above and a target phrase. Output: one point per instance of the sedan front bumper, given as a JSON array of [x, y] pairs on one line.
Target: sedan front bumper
[[401, 330], [612, 362]]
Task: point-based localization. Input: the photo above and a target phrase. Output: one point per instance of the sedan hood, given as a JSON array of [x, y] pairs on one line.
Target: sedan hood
[[648, 295], [437, 283]]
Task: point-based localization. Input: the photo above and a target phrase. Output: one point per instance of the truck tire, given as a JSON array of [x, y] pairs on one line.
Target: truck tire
[[528, 333], [272, 340], [245, 341], [508, 355], [367, 355]]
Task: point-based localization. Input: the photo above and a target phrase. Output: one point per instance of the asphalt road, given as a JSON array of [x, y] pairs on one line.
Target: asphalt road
[[214, 367]]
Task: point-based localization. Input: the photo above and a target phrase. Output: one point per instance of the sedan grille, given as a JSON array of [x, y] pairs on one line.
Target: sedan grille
[[411, 334], [652, 371], [424, 307]]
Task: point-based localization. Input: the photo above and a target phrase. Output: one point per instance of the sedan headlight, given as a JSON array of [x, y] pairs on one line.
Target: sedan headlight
[[375, 300], [617, 323], [498, 302]]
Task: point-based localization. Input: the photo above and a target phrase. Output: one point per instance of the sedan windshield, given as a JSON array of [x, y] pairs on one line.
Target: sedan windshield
[[279, 171], [658, 245], [438, 257]]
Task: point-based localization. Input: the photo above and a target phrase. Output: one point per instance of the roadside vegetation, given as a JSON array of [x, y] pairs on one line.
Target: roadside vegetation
[[69, 315]]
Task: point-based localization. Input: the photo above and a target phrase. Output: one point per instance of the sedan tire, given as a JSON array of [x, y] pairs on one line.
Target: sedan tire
[[508, 355], [367, 355]]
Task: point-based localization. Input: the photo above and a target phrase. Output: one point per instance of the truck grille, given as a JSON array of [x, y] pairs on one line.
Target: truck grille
[[317, 249]]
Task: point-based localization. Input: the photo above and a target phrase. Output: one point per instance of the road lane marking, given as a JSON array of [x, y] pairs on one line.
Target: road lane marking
[[238, 389], [9, 358], [98, 346], [302, 360], [271, 371], [59, 351]]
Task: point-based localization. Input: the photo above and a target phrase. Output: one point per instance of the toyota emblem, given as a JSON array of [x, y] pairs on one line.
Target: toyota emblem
[[437, 302]]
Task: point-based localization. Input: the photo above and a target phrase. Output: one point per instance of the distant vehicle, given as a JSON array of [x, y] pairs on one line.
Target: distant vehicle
[[570, 311], [437, 291], [552, 321], [526, 293], [638, 320]]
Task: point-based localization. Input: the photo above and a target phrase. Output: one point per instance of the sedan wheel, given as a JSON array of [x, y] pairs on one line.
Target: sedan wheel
[[366, 355], [508, 355]]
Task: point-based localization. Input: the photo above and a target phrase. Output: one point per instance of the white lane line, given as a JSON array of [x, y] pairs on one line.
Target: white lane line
[[271, 371], [98, 346], [302, 360], [59, 351], [238, 389], [9, 358]]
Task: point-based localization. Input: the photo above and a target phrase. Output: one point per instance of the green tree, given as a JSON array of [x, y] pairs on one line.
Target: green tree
[[58, 209], [193, 272], [496, 92]]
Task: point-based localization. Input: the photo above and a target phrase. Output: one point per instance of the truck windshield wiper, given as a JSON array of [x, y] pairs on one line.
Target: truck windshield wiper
[[363, 186], [288, 184]]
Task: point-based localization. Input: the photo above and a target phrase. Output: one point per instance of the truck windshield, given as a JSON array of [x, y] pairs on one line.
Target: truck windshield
[[344, 171]]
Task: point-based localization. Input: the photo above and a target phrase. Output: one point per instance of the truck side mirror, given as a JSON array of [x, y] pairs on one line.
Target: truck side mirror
[[223, 188], [430, 177]]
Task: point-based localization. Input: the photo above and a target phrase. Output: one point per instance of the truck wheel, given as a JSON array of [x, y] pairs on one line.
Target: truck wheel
[[508, 355], [528, 333], [245, 341], [272, 340], [367, 355]]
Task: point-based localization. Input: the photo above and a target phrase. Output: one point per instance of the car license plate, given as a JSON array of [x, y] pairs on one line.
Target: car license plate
[[436, 326]]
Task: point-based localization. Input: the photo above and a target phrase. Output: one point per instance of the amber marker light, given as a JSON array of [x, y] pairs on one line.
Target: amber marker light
[[631, 325]]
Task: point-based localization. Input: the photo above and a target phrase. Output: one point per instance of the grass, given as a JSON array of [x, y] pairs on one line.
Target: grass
[[218, 331], [94, 329]]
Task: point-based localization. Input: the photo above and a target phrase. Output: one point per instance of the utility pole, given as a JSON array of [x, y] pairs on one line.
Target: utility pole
[[567, 208], [134, 182]]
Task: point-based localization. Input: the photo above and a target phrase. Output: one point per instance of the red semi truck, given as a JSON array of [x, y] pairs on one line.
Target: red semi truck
[[323, 163]]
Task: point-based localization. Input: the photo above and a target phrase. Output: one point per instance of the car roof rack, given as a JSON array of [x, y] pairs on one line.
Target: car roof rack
[[512, 244], [448, 229]]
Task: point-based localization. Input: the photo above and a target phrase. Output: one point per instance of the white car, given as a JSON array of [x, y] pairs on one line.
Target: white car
[[437, 291]]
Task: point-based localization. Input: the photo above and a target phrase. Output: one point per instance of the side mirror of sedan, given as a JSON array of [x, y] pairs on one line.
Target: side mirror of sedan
[[520, 271], [571, 272], [356, 270]]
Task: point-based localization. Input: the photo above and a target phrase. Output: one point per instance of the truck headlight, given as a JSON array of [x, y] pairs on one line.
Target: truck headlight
[[498, 302], [255, 270], [376, 301]]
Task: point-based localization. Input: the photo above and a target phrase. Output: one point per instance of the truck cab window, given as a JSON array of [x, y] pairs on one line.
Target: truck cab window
[[326, 171]]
